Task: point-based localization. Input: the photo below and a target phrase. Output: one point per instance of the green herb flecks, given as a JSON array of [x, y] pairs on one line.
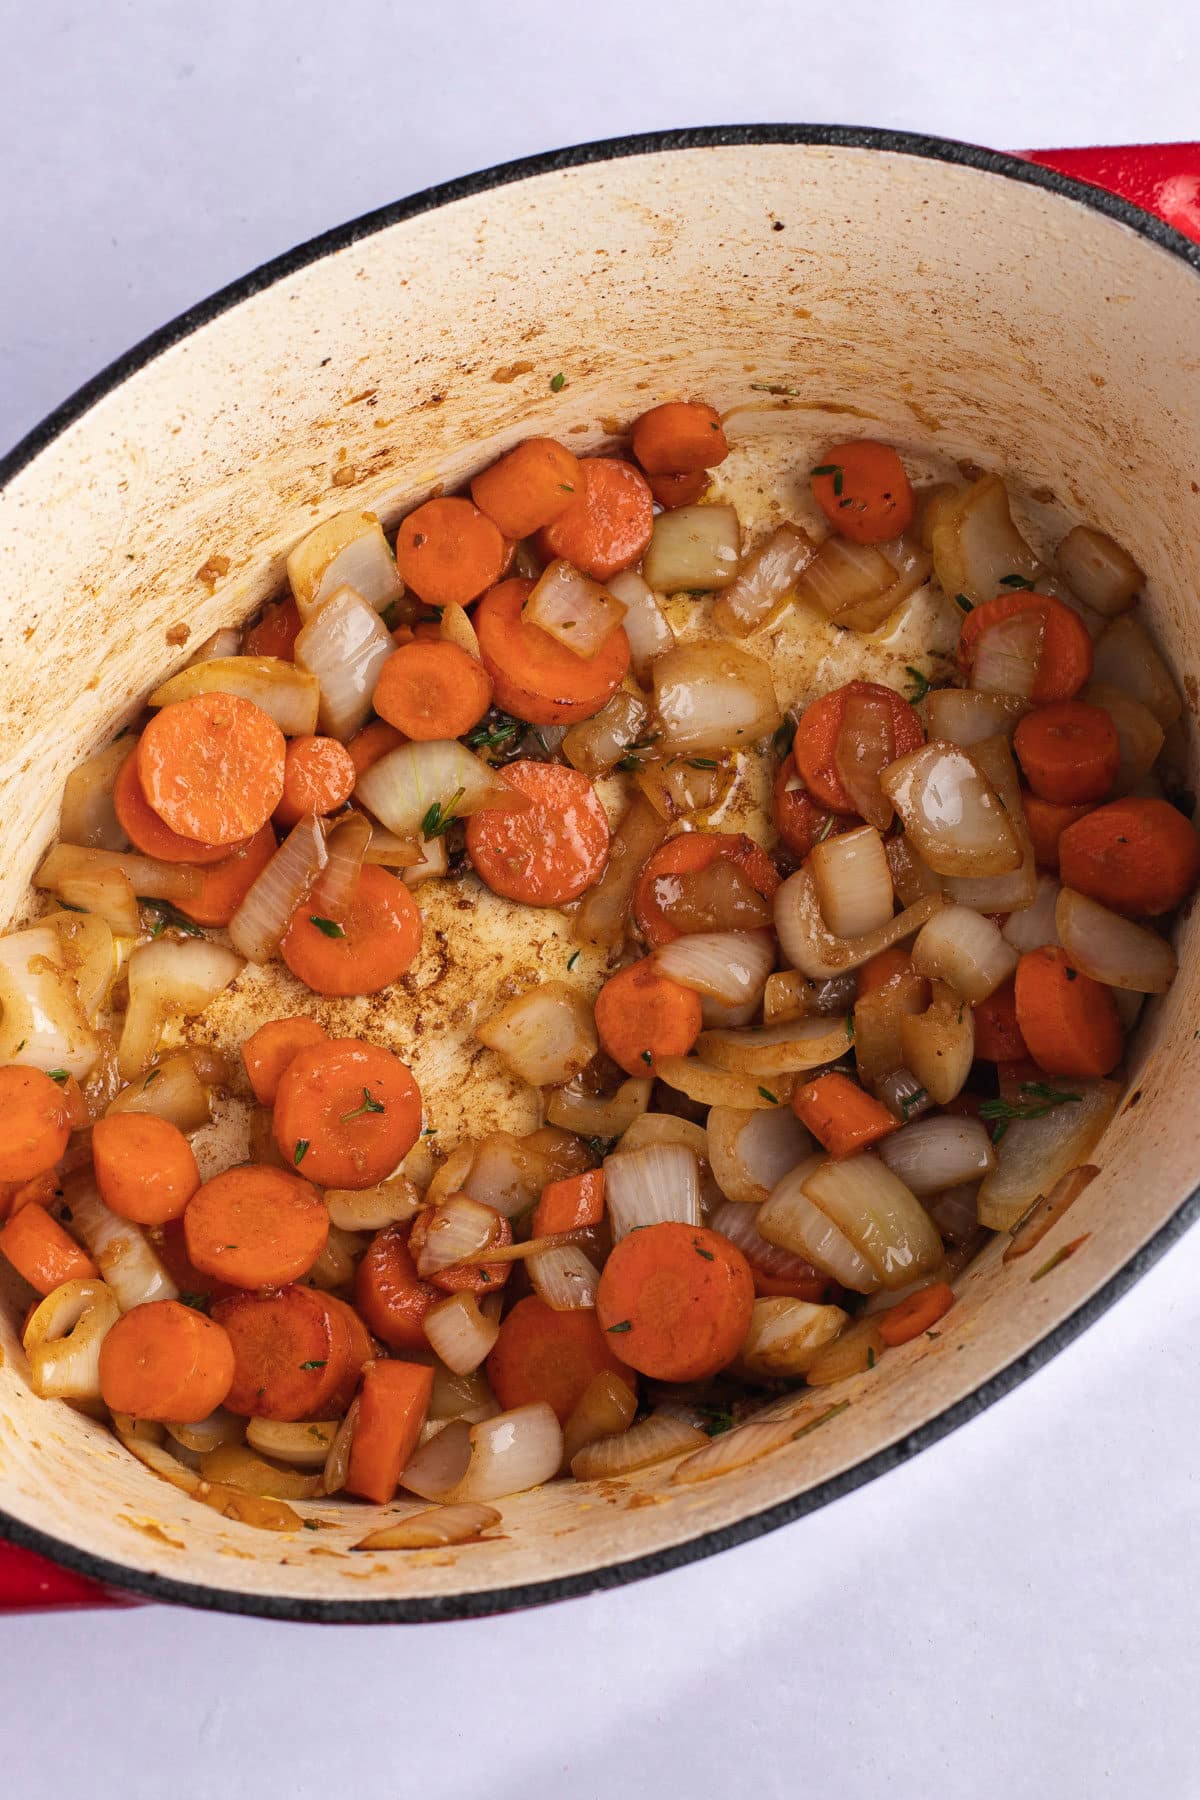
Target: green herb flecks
[[911, 1100], [59, 1075], [767, 1095], [152, 1076], [494, 735], [169, 918], [197, 1302], [600, 1147], [826, 829], [327, 927], [702, 762], [1015, 581], [314, 1362], [558, 383], [718, 1423], [961, 601], [775, 387], [573, 959], [300, 1152], [706, 1254], [625, 1325], [438, 818], [921, 684], [834, 469], [648, 1059], [368, 1106], [1060, 1256], [831, 1412]]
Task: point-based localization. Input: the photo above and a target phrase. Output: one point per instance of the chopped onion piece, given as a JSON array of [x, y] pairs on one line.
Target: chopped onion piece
[[808, 943], [648, 632], [564, 1277], [938, 1045], [765, 579], [272, 898], [503, 1455], [171, 1090], [404, 786], [153, 880], [337, 1463], [796, 1224], [434, 861], [284, 692], [605, 1409], [1033, 1154], [406, 854], [456, 1231], [682, 787], [976, 544], [877, 1015], [785, 1335], [694, 547], [1033, 926], [344, 645], [855, 1351], [865, 746], [729, 966], [844, 578], [751, 1152], [305, 1446], [912, 565], [599, 1115], [335, 1266], [720, 897], [600, 742], [747, 1443], [711, 696], [348, 550], [119, 1249], [776, 1049], [936, 1154], [106, 893], [1000, 893], [912, 877], [654, 1130], [853, 882], [433, 1529], [1139, 734], [373, 1209], [603, 912], [62, 1339], [790, 995], [709, 1085], [237, 1467], [655, 1439], [459, 1333], [345, 849], [226, 642], [963, 717], [651, 1186], [882, 1217], [961, 947], [546, 1036], [573, 609], [952, 812], [1100, 572], [1008, 655], [456, 628], [1126, 659], [1112, 949], [220, 1427], [955, 1213], [43, 1024], [87, 815], [740, 1225], [166, 981]]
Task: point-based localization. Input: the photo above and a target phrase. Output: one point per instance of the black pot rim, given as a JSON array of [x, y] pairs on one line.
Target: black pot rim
[[164, 1588]]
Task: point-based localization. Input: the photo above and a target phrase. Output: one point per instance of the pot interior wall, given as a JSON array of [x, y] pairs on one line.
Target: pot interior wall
[[931, 304]]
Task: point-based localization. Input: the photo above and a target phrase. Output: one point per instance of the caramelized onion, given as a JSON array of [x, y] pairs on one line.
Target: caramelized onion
[[764, 581], [952, 812]]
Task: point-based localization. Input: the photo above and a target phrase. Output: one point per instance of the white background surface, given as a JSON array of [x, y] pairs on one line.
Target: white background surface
[[1011, 1615]]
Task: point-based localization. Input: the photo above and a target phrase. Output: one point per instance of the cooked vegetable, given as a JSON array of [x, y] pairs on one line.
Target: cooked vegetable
[[287, 694], [711, 696], [348, 550], [764, 581], [1096, 567], [693, 547]]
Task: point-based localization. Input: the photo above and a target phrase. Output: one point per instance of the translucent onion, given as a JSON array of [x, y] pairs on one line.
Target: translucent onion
[[62, 1340], [42, 1023], [709, 1085], [171, 1090], [952, 812], [751, 1152], [719, 897], [166, 981], [729, 966], [87, 815], [335, 1266], [373, 1209], [912, 565], [882, 1217], [765, 579], [963, 717], [504, 1455], [107, 893], [456, 1231], [647, 630], [1032, 926], [785, 1335], [938, 1045], [999, 893], [976, 544], [402, 786], [936, 1154], [264, 915], [236, 1466], [812, 948], [795, 1223], [348, 550], [776, 1049], [740, 1225], [652, 1441], [934, 504], [456, 628], [434, 860], [220, 1427], [713, 696], [509, 1173], [546, 1036], [345, 849], [344, 644], [651, 1186], [853, 1352], [1139, 734], [1033, 1154], [789, 995], [337, 1463], [600, 742], [153, 880], [877, 1015], [459, 1333], [746, 1444], [461, 1396], [844, 578], [1103, 574], [305, 1446], [603, 912], [605, 1409], [961, 947], [677, 789], [284, 692], [573, 609], [1112, 949], [693, 547], [1008, 655], [119, 1249], [564, 1277], [406, 854], [853, 882], [89, 956], [955, 1213], [1125, 658], [433, 1529], [912, 877], [226, 642], [598, 1115]]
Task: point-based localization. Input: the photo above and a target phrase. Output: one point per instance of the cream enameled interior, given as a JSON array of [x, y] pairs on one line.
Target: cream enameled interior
[[936, 306]]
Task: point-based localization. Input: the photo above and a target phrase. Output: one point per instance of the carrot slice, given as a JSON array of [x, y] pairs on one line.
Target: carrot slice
[[1065, 664], [801, 821], [373, 741], [530, 486], [144, 1166], [608, 525], [37, 1122], [554, 850], [1135, 856], [997, 1035], [146, 831], [690, 853], [162, 1360], [212, 767], [448, 552], [391, 1412], [390, 1294], [642, 1015], [840, 1114], [432, 690], [863, 491], [268, 1051], [361, 946], [276, 631], [570, 1204], [286, 1360], [348, 1111], [679, 438], [671, 491], [815, 744], [40, 1190], [915, 1313], [810, 1285], [1069, 752], [1046, 821], [545, 1355], [225, 884], [675, 1301], [318, 777], [1069, 1021], [468, 1278], [881, 968], [39, 1249], [536, 678], [255, 1226]]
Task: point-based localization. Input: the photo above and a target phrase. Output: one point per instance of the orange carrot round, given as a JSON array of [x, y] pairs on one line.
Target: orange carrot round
[[390, 1294], [554, 850], [863, 491], [268, 1051], [144, 1166], [255, 1226], [212, 767], [448, 552], [916, 1313], [536, 678], [679, 438], [162, 1360], [1069, 752], [347, 1112], [40, 1190], [530, 486], [395, 1399], [675, 1301], [1046, 821], [1065, 663], [289, 1350], [373, 741], [318, 777], [465, 1278], [1135, 856], [545, 1355], [997, 1035], [225, 884], [571, 1204], [690, 853], [815, 744], [276, 631], [841, 1116], [39, 1249], [364, 944], [36, 1117], [671, 491], [147, 832], [607, 525], [1069, 1022], [801, 821], [642, 1015], [432, 690], [882, 968]]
